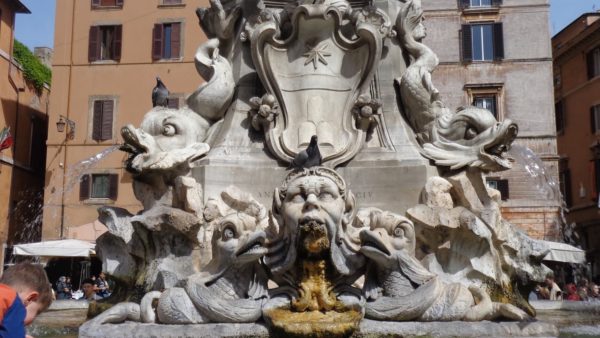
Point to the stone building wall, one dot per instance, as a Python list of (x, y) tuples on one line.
[(521, 82)]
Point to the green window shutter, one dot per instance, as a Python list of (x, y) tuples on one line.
[(84, 187)]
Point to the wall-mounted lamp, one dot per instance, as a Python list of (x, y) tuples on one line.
[(70, 124)]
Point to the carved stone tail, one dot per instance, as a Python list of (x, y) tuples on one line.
[(147, 313)]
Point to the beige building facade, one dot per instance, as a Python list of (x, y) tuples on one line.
[(576, 52), (106, 58), (23, 110), (496, 54)]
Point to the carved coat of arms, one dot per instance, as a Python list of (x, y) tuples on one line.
[(315, 73)]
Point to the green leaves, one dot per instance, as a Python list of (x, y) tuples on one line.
[(34, 71)]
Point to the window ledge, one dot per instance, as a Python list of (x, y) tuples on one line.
[(94, 201), (481, 10), (104, 62), (179, 59), (478, 62), (96, 8), (182, 5)]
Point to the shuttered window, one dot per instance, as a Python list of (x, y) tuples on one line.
[(595, 119), (482, 42), (103, 120), (593, 62), (559, 111), (99, 186), (565, 186), (106, 3), (166, 41), (500, 185), (105, 43)]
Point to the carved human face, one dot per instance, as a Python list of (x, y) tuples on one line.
[(313, 202)]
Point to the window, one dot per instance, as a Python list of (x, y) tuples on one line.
[(482, 42), (593, 62), (487, 96), (37, 148), (479, 3), (106, 3), (99, 186), (565, 186), (500, 185), (105, 43), (172, 2), (559, 111), (102, 120), (595, 119), (595, 178), (166, 41), (486, 102)]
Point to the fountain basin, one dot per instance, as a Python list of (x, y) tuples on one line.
[(367, 329)]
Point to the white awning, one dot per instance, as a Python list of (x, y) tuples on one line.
[(60, 248), (561, 252)]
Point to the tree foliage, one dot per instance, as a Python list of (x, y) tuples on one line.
[(34, 70)]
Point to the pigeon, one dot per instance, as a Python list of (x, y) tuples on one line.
[(160, 94), (310, 157)]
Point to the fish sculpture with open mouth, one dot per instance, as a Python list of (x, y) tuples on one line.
[(167, 139), (231, 289), (471, 138), (399, 288)]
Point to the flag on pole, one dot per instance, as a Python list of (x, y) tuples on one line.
[(6, 139)]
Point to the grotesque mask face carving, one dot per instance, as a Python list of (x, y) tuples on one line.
[(313, 210), (315, 204)]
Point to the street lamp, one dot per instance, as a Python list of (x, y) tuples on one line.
[(66, 122)]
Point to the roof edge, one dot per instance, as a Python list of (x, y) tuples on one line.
[(584, 15), (20, 7)]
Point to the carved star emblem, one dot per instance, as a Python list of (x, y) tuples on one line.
[(316, 54)]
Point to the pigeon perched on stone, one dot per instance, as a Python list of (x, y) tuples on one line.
[(160, 94), (310, 157)]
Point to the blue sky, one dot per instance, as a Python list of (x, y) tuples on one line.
[(37, 28)]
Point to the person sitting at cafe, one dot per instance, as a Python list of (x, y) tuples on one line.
[(89, 290)]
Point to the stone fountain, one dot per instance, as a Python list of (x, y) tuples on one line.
[(395, 225)]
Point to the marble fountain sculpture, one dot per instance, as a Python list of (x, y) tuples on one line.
[(395, 224)]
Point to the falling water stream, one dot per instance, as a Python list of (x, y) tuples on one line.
[(547, 187), (32, 207)]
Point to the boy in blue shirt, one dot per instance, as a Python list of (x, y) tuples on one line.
[(24, 293)]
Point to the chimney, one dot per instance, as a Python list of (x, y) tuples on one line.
[(44, 54)]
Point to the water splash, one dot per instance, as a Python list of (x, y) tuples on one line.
[(548, 188), (534, 166), (29, 210)]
